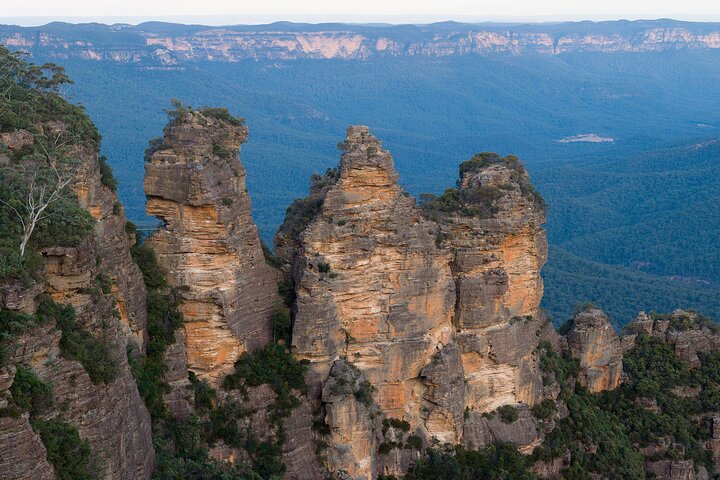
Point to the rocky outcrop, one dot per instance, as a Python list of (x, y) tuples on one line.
[(482, 430), (675, 470), (112, 250), (372, 288), (105, 287), (436, 315), (209, 244), (171, 48), (498, 247), (687, 332), (593, 341)]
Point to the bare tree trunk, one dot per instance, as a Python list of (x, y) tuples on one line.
[(39, 197)]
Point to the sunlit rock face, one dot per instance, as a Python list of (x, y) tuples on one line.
[(498, 247), (593, 341), (209, 244), (438, 315)]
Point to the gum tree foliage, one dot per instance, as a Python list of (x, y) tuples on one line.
[(37, 207)]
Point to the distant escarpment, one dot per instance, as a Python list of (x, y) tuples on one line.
[(174, 45)]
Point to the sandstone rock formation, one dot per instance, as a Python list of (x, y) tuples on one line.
[(209, 244), (687, 332), (498, 248), (593, 341), (105, 287), (434, 315)]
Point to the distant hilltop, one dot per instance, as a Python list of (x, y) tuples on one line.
[(169, 44)]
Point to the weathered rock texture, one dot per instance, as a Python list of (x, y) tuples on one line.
[(481, 431), (687, 332), (497, 257), (111, 417), (436, 317), (209, 244), (593, 341), (675, 470)]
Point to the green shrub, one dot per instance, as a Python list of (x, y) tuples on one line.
[(500, 461), (187, 438), (222, 114), (508, 413), (223, 153), (163, 319), (106, 174), (396, 423), (281, 322), (414, 442), (68, 454), (11, 412), (562, 369), (16, 268), (145, 258), (78, 344), (267, 460), (321, 427), (386, 447), (364, 393), (272, 365), (204, 393), (68, 225), (29, 392), (545, 409)]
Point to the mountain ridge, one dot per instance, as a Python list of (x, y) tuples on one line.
[(168, 43)]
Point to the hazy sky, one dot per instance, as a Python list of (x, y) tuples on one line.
[(260, 11)]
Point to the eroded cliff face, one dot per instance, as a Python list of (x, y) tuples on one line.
[(105, 287), (209, 244), (436, 316), (593, 341), (498, 247), (231, 44)]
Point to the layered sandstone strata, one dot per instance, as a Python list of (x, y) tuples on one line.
[(209, 244), (435, 309), (498, 247), (105, 287), (373, 288), (593, 341)]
